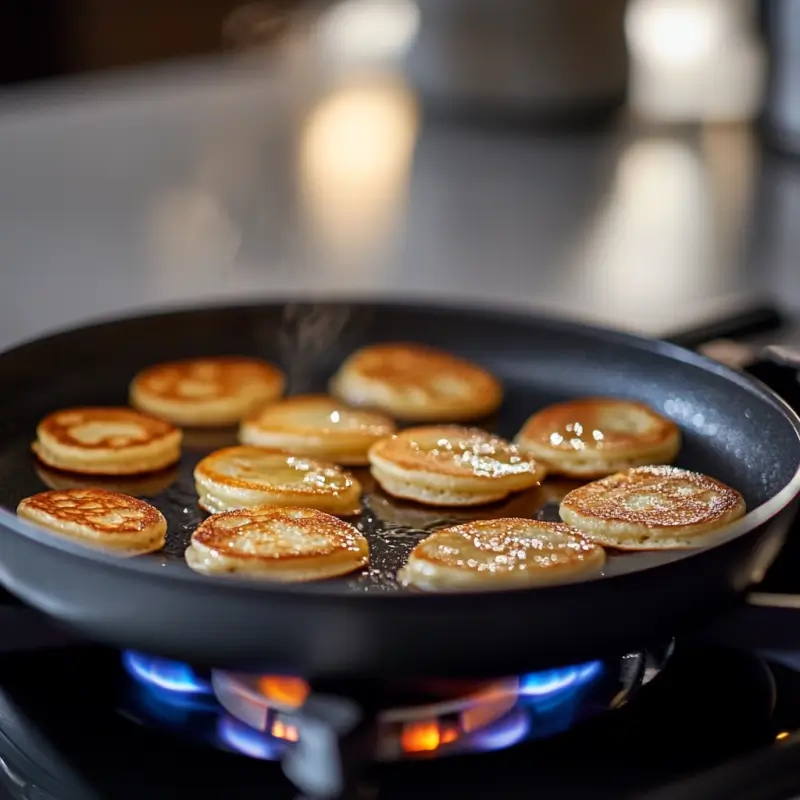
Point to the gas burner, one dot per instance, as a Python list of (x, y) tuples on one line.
[(413, 724), (259, 715)]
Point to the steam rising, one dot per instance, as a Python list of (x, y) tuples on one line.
[(308, 338)]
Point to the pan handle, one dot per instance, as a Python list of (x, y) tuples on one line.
[(782, 355), (768, 623)]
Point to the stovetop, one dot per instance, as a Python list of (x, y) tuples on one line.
[(703, 723), (65, 733)]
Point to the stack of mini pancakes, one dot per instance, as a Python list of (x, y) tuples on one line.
[(276, 498)]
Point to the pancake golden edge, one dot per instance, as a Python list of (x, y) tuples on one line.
[(206, 392), (501, 553), (106, 440), (652, 508), (594, 437), (449, 465), (110, 521), (247, 477), (282, 544), (317, 426), (416, 383)]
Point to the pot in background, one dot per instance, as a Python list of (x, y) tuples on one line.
[(541, 59)]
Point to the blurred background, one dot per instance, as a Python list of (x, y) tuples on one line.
[(630, 162)]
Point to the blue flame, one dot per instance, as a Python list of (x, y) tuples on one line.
[(174, 709), (171, 676), (560, 681), (246, 740), (515, 727)]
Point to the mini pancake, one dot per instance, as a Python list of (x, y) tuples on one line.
[(501, 554), (417, 383), (451, 466), (650, 508), (595, 437), (106, 441), (246, 477), (206, 391), (316, 426), (110, 521), (277, 544)]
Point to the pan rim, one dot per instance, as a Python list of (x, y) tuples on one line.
[(509, 314)]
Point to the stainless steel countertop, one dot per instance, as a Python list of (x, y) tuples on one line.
[(227, 180)]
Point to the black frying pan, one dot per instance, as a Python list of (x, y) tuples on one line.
[(366, 625)]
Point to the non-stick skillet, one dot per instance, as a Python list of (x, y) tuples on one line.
[(367, 625)]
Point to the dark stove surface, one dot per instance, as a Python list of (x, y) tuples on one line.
[(62, 736)]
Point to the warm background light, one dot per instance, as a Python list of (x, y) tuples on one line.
[(694, 60), (354, 159), (675, 32), (368, 29)]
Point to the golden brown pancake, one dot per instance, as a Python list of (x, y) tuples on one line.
[(246, 477), (318, 426), (451, 466), (594, 437), (417, 383), (650, 508), (501, 554), (277, 543), (103, 440), (202, 392), (111, 521), (135, 485)]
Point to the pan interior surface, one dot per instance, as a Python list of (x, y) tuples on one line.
[(732, 429)]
